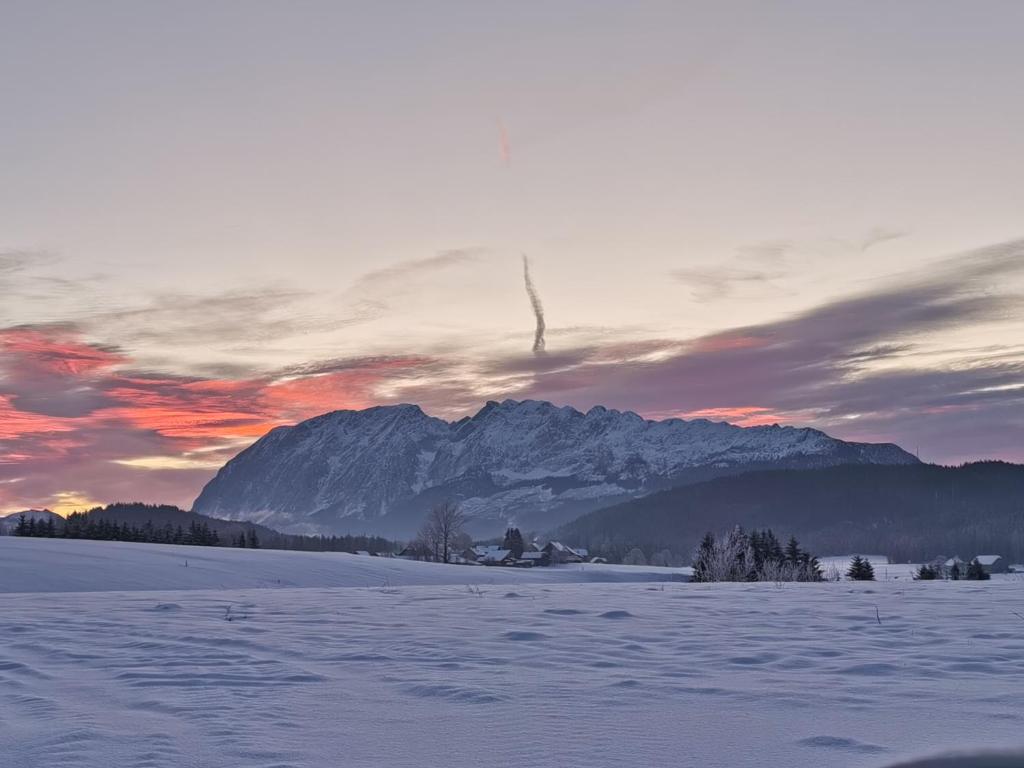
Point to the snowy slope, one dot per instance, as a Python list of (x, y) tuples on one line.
[(529, 462), (546, 674), (75, 565)]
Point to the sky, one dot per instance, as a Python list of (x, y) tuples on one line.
[(220, 217)]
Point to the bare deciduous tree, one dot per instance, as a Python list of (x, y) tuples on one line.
[(441, 529)]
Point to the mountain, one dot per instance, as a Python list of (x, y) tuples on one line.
[(8, 522), (911, 512), (379, 470)]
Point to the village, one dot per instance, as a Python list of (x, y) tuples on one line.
[(519, 555)]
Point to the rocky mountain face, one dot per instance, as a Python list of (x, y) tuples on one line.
[(529, 463)]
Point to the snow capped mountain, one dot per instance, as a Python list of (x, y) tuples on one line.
[(529, 462)]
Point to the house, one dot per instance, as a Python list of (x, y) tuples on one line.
[(532, 558), (498, 557), (559, 553), (482, 550), (409, 553), (993, 563)]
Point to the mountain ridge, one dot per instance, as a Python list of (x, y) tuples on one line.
[(528, 462)]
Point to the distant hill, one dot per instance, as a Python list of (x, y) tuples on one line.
[(159, 516), (909, 512), (530, 463)]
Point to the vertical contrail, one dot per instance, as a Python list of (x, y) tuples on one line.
[(538, 308)]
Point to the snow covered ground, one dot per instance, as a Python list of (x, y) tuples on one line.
[(67, 565), (418, 669)]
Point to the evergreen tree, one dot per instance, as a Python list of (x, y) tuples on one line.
[(793, 552), (21, 529), (702, 561), (926, 573), (254, 543), (513, 541), (869, 571), (860, 569), (976, 571), (954, 572), (773, 548)]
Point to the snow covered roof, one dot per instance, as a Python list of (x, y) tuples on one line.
[(532, 555), (988, 559), (560, 547), (496, 555)]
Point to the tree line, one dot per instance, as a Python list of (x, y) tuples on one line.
[(80, 525), (164, 525), (911, 512), (754, 556)]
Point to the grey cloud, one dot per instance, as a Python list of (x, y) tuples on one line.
[(402, 271), (718, 282), (815, 361), (767, 252), (878, 236)]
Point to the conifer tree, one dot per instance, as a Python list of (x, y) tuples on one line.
[(925, 573), (976, 571), (860, 569), (702, 560)]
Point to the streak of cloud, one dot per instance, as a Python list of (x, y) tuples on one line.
[(880, 235), (718, 282), (538, 308)]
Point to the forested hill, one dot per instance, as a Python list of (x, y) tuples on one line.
[(166, 524), (909, 512)]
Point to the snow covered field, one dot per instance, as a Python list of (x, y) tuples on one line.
[(409, 668), (67, 565)]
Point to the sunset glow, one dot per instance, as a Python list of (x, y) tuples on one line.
[(755, 223)]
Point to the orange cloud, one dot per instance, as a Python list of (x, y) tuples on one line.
[(58, 351), (15, 423), (744, 416), (71, 415)]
